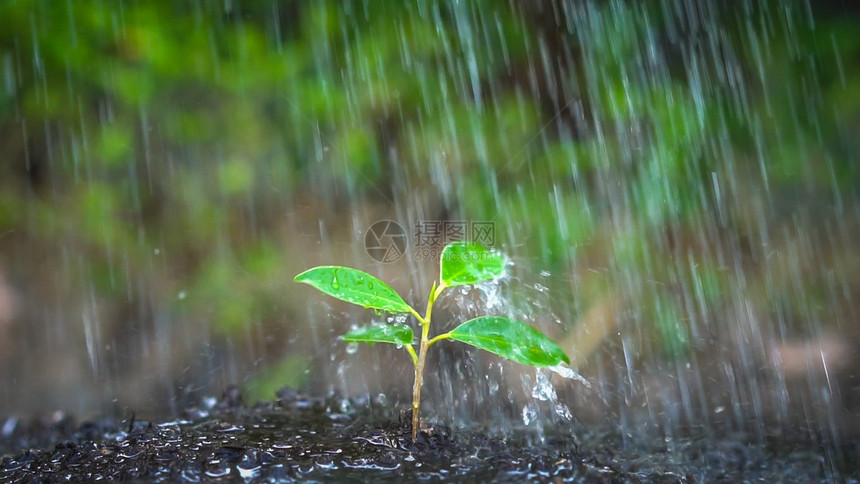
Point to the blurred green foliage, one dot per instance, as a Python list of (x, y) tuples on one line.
[(168, 138)]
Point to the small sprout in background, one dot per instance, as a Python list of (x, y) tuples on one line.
[(461, 264)]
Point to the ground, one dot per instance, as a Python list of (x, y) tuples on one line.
[(298, 437)]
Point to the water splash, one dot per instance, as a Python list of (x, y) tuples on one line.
[(529, 413), (543, 389), (567, 372)]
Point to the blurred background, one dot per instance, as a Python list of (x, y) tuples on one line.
[(676, 184)]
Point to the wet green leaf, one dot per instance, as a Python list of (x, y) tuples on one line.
[(399, 334), (510, 339), (354, 286), (467, 263)]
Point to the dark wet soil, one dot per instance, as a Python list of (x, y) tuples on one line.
[(332, 440)]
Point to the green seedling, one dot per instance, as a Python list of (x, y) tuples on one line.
[(461, 264)]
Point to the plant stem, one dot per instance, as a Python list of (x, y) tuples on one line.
[(421, 320), (414, 356), (422, 358), (438, 338), (419, 375)]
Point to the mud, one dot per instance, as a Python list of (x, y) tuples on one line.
[(302, 438)]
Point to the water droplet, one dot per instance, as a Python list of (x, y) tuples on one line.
[(218, 469), (569, 373), (351, 348), (529, 414), (562, 411), (181, 295), (9, 426), (543, 389)]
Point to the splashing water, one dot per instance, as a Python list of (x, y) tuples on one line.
[(529, 414), (543, 389), (569, 373)]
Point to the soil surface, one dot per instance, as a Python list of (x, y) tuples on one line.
[(301, 438)]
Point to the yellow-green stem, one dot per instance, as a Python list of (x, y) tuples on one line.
[(422, 358), (419, 374), (438, 338), (418, 316), (414, 356)]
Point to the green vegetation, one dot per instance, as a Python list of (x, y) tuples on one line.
[(460, 264)]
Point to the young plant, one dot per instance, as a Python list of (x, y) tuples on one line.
[(461, 264)]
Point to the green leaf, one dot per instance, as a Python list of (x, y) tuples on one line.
[(354, 286), (399, 334), (466, 263), (510, 339)]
